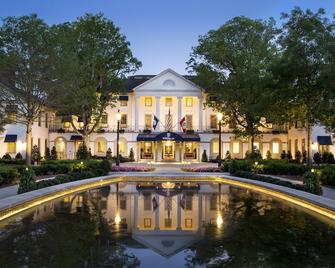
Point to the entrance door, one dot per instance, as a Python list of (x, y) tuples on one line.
[(168, 150)]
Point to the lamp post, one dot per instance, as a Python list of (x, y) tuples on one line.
[(118, 118), (219, 116)]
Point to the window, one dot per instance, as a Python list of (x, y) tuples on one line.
[(100, 147), (123, 121), (45, 144), (168, 223), (215, 147), (147, 121), (189, 121), (168, 102), (289, 145), (147, 202), (189, 147), (214, 122), (189, 102), (39, 144), (11, 147), (147, 223), (148, 101), (39, 119), (256, 145), (188, 202), (236, 147), (46, 120), (188, 223), (213, 202), (123, 103), (11, 117), (104, 120), (147, 147), (303, 145), (122, 147), (123, 202), (296, 145), (275, 147)]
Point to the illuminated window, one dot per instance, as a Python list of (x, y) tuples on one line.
[(122, 147), (123, 103), (147, 147), (236, 147), (11, 147), (39, 119), (189, 102), (275, 147), (46, 120), (147, 202), (215, 147), (168, 223), (213, 202), (168, 102), (147, 223), (100, 147), (256, 145), (189, 147), (148, 121), (189, 124), (148, 101), (214, 121), (123, 121), (188, 223), (188, 203), (123, 202), (104, 119)]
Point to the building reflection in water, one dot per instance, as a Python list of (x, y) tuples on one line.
[(165, 217)]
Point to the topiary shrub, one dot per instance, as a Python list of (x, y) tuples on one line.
[(105, 165), (298, 156), (131, 155), (109, 153), (283, 155), (317, 158), (204, 157), (47, 155), (82, 152), (255, 155), (233, 167), (53, 155), (268, 155), (227, 156), (9, 175), (35, 154), (27, 181), (327, 175), (312, 183), (304, 156), (18, 156), (289, 155), (6, 157), (328, 157)]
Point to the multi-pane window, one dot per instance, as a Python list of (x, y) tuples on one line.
[(39, 119), (46, 120), (104, 120), (45, 144), (168, 222), (123, 103), (213, 202), (188, 223), (189, 102), (123, 121), (236, 147), (168, 102), (148, 101), (275, 147), (214, 121), (188, 202), (189, 124), (147, 202), (303, 145), (123, 202), (256, 145), (215, 147), (296, 145), (39, 144), (147, 223), (147, 121), (11, 147), (100, 147)]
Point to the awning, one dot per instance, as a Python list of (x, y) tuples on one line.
[(10, 138), (123, 98), (324, 140), (76, 138), (172, 136)]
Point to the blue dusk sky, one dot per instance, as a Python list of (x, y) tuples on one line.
[(161, 33)]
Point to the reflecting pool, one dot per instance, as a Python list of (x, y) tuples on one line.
[(167, 225)]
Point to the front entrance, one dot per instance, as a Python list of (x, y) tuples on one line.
[(168, 150)]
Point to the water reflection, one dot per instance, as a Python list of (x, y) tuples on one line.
[(146, 224)]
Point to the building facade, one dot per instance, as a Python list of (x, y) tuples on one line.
[(167, 98)]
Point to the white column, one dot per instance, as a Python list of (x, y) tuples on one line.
[(200, 113), (199, 210), (136, 211), (137, 99), (179, 111), (178, 213), (157, 213), (158, 113)]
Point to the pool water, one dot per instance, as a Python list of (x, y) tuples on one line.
[(167, 225)]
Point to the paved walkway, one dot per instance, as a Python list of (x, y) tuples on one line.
[(173, 169)]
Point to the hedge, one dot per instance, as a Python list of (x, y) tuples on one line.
[(8, 175)]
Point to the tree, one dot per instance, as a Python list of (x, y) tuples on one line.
[(53, 155), (94, 57), (27, 75), (35, 154), (307, 56), (204, 157), (47, 155), (234, 63), (82, 152), (131, 155)]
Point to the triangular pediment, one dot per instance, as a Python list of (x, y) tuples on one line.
[(168, 82)]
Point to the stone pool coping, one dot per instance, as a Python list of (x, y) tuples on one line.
[(15, 204)]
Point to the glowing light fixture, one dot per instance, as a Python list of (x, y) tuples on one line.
[(219, 116), (219, 221), (118, 116), (117, 219), (168, 185)]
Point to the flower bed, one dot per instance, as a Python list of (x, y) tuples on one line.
[(202, 169), (131, 169)]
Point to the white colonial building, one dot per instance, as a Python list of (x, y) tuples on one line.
[(170, 97)]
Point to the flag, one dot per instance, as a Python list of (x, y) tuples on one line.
[(154, 204), (155, 123), (182, 124), (169, 121), (182, 202)]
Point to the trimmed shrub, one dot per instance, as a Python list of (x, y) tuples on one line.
[(6, 157), (312, 183), (304, 156), (204, 157), (82, 152), (289, 155), (131, 155), (109, 153), (105, 165), (234, 167), (27, 181), (47, 155), (9, 175), (282, 167), (283, 155), (328, 157), (317, 158), (53, 155), (327, 175), (298, 156), (268, 155), (227, 156), (255, 155), (18, 156)]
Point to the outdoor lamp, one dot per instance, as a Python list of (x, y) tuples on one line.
[(118, 115), (117, 219), (219, 221), (219, 116)]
